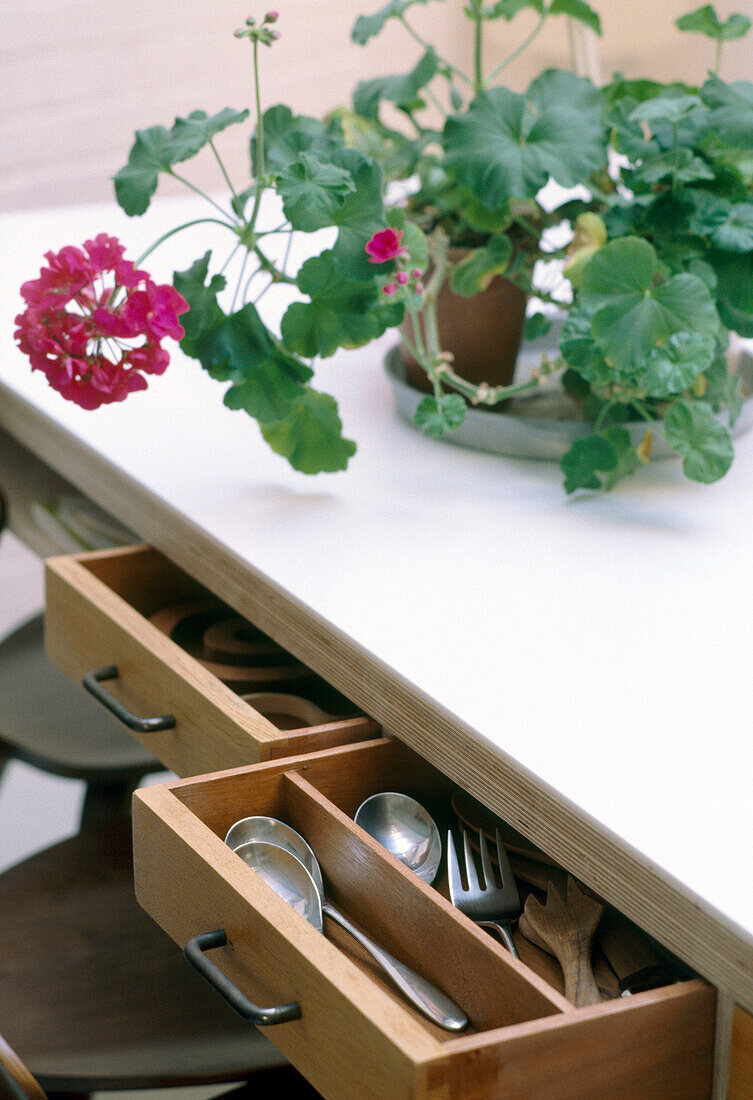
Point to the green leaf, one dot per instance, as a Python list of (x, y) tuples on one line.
[(633, 311), (693, 432), (403, 91), (342, 313), (678, 164), (476, 271), (508, 9), (537, 325), (270, 386), (313, 192), (585, 460), (508, 145), (734, 272), (204, 313), (286, 136), (310, 436), (577, 9), (674, 366), (367, 26), (360, 215), (705, 21), (157, 149), (670, 106), (579, 349), (728, 132), (627, 456), (736, 233), (435, 416)]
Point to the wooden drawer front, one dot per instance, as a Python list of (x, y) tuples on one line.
[(741, 1057), (98, 608), (356, 1037)]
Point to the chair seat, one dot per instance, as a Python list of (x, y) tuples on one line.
[(81, 740), (140, 1016)]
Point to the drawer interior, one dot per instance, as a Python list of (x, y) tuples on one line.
[(183, 610), (526, 1039), (177, 649), (319, 797)]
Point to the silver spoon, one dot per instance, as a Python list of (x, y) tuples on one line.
[(432, 1002), (282, 870), (404, 828)]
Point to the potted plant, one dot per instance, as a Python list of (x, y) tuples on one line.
[(655, 246)]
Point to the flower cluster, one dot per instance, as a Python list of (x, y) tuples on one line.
[(93, 323), (388, 245)]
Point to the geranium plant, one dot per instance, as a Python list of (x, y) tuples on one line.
[(436, 175)]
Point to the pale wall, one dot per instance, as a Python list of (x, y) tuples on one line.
[(79, 76)]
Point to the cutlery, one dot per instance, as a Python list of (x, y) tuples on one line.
[(404, 828), (484, 902), (432, 1002), (565, 926)]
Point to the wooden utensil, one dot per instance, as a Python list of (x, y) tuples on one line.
[(565, 926)]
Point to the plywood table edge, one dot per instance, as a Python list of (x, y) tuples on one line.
[(710, 943)]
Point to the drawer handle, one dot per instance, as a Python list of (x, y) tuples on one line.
[(194, 953), (92, 681)]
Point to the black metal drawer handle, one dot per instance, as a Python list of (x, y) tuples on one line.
[(92, 681), (194, 953)]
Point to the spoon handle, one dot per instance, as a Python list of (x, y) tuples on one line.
[(429, 1000)]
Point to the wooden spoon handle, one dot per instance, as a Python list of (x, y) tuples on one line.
[(580, 985)]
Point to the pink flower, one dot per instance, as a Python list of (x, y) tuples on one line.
[(402, 277), (385, 245), (93, 323), (416, 272)]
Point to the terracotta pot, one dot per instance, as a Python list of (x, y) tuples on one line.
[(483, 333)]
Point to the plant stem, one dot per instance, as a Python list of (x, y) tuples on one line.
[(259, 142), (193, 187), (177, 229), (222, 167), (515, 53), (478, 47), (444, 63), (277, 275), (718, 57)]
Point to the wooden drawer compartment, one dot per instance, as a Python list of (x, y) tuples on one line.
[(98, 614), (356, 1037)]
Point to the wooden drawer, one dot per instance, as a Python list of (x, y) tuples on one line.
[(355, 1037), (741, 1056), (98, 614)]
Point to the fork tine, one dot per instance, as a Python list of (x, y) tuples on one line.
[(470, 863), (508, 879), (453, 869), (486, 862)]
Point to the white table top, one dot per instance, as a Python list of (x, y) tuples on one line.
[(600, 645)]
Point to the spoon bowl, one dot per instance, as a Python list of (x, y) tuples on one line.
[(404, 828), (271, 831), (284, 872)]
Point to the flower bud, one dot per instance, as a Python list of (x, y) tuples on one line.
[(419, 288), (402, 277), (390, 289), (271, 17), (416, 273)]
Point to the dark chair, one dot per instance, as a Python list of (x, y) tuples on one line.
[(50, 723), (95, 997)]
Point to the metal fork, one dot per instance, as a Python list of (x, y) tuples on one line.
[(486, 903)]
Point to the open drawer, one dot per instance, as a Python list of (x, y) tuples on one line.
[(355, 1037), (132, 623)]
